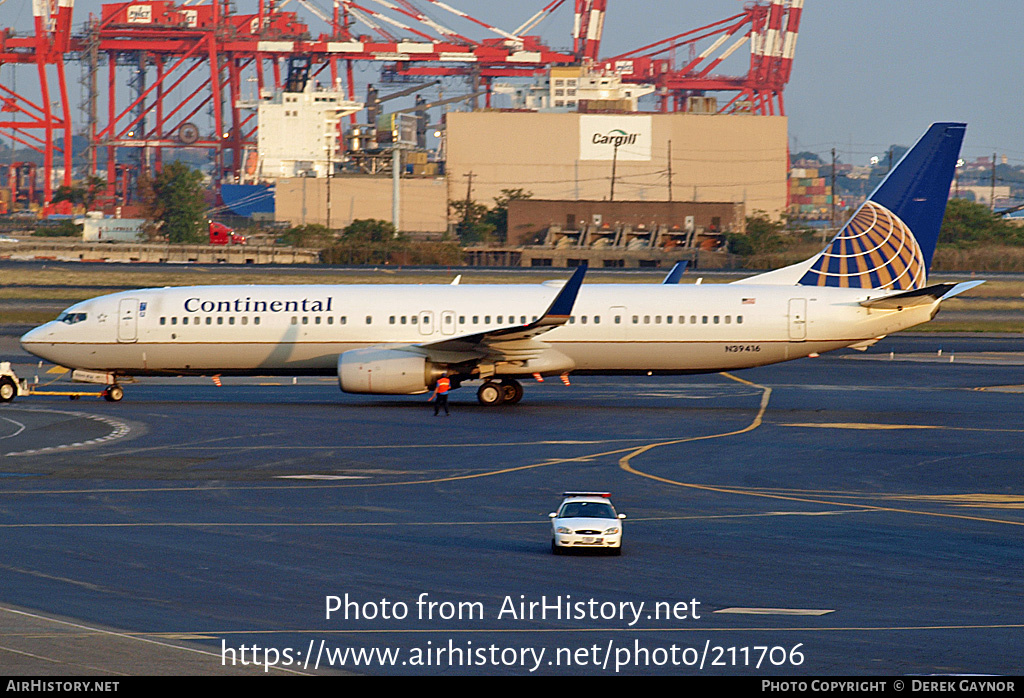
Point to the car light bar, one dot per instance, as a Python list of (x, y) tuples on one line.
[(606, 495)]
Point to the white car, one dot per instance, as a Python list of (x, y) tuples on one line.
[(7, 238), (586, 520)]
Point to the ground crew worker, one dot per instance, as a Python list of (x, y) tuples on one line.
[(440, 395)]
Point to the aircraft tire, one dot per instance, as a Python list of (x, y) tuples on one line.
[(513, 390), (490, 393), (8, 389), (113, 393)]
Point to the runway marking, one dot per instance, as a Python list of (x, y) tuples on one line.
[(206, 446), (962, 499), (61, 662), (549, 631), (52, 577), (383, 524), (57, 661), (120, 430), (140, 637), (765, 397), (624, 463), (977, 499), (764, 514), (404, 483), (855, 425), (17, 424), (321, 477), (777, 611), (824, 425), (366, 447)]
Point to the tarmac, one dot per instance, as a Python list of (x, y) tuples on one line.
[(855, 514)]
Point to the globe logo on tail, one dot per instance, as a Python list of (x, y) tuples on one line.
[(875, 249)]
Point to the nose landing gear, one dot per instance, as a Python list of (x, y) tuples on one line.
[(113, 393), (8, 389)]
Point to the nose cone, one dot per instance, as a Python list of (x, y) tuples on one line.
[(34, 340)]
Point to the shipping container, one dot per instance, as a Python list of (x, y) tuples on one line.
[(112, 229)]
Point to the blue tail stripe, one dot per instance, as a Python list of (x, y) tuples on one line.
[(898, 226), (917, 188)]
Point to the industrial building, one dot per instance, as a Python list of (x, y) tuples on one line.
[(272, 103), (733, 158), (338, 201)]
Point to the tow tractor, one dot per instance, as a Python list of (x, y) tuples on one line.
[(11, 387)]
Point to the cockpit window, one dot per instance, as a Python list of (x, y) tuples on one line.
[(71, 318)]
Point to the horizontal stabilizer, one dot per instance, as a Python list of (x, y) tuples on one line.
[(920, 296)]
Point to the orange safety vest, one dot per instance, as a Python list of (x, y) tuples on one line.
[(443, 386)]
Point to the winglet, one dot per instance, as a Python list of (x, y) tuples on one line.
[(561, 308), (555, 316), (677, 272)]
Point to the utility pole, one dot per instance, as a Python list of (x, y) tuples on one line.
[(615, 158), (396, 189), (670, 171), (469, 201), (330, 174), (992, 195), (833, 189)]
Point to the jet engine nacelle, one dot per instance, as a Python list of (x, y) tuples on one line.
[(386, 372)]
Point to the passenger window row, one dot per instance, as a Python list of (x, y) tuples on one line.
[(498, 320), (317, 320), (694, 319), (475, 319), (209, 320), (244, 320)]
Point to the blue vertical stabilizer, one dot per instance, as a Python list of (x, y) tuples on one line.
[(890, 241)]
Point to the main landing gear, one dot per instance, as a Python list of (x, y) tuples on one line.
[(508, 391)]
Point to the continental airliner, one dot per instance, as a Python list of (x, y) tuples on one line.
[(869, 281)]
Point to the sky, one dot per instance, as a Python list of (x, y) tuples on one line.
[(867, 73)]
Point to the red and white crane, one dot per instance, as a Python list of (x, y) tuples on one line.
[(186, 60), (37, 123)]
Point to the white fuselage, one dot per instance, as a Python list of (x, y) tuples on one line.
[(302, 329)]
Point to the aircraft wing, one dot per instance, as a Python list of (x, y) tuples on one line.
[(921, 296), (515, 341)]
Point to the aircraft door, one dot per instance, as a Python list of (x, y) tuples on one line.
[(426, 322), (128, 320), (798, 319), (448, 322)]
